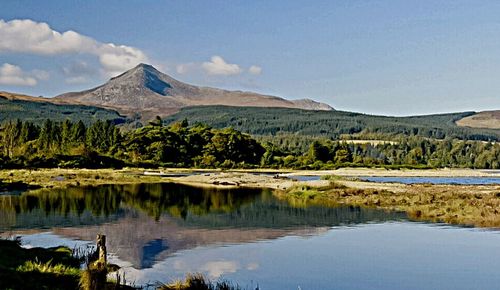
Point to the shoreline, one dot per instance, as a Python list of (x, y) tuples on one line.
[(260, 178), (469, 205)]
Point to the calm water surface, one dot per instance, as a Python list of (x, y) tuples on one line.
[(436, 180), (159, 232)]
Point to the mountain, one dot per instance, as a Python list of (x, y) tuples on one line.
[(150, 92), (37, 109), (486, 119), (267, 121)]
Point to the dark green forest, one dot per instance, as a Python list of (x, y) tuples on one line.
[(405, 152), (103, 144), (37, 112), (332, 124)]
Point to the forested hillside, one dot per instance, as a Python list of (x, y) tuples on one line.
[(37, 112), (331, 124), (102, 144)]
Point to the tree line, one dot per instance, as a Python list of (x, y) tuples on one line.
[(103, 144), (409, 152)]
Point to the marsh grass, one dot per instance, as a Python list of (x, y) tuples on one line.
[(37, 268), (199, 282), (48, 267), (462, 205)]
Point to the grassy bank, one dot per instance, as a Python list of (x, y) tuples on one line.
[(59, 268), (60, 178), (469, 205), (37, 268)]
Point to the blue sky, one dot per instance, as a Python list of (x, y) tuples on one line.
[(379, 57)]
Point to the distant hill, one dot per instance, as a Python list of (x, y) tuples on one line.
[(36, 109), (486, 119), (276, 121), (147, 91)]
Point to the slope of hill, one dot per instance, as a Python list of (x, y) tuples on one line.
[(486, 119), (145, 90), (274, 121), (35, 109)]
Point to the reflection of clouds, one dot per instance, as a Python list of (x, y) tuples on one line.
[(216, 268), (252, 266)]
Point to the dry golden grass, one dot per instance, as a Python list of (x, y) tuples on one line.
[(486, 119), (59, 178), (455, 204)]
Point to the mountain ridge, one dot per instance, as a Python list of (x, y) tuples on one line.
[(146, 90)]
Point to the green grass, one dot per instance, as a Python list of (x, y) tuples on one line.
[(198, 282), (48, 267), (37, 268)]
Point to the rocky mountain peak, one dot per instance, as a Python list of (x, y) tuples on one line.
[(145, 90)]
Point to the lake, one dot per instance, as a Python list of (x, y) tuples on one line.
[(160, 232), (485, 180), (434, 180)]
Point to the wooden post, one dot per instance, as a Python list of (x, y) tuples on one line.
[(101, 248)]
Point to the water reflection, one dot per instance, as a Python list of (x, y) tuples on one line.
[(435, 180), (146, 223)]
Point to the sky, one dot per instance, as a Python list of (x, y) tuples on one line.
[(377, 57)]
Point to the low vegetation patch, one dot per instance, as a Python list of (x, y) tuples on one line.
[(37, 268), (455, 204), (198, 282)]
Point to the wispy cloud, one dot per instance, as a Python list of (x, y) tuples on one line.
[(255, 70), (78, 72), (13, 75), (28, 36), (217, 268), (185, 68)]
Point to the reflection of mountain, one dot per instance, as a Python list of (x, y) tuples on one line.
[(137, 240), (147, 222)]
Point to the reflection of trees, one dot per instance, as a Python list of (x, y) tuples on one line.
[(89, 205), (276, 214), (71, 206), (203, 207), (181, 200)]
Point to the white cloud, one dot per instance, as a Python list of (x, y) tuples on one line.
[(218, 66), (28, 36), (13, 75), (255, 70)]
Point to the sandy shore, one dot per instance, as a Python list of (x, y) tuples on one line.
[(245, 179), (254, 178), (275, 179)]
